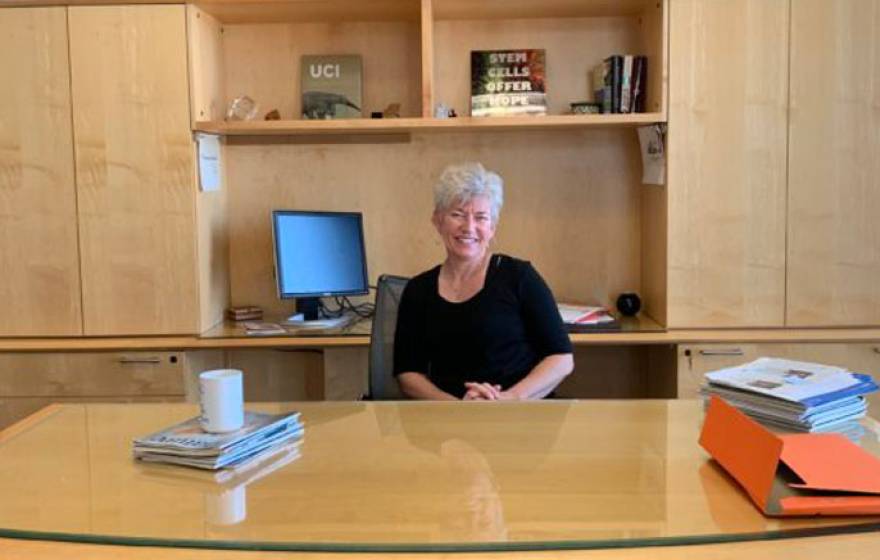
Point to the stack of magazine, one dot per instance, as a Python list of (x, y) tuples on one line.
[(187, 444), (792, 395)]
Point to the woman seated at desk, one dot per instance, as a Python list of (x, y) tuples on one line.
[(480, 325)]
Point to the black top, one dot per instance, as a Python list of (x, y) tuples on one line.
[(497, 336)]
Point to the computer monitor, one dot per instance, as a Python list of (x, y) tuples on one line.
[(318, 254)]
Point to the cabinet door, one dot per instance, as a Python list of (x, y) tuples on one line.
[(834, 164), (134, 169), (694, 360), (40, 290), (728, 84)]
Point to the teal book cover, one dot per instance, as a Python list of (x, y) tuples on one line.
[(331, 86)]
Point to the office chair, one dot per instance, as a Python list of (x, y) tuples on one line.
[(383, 386)]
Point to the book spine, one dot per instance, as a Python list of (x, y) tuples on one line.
[(640, 71), (626, 83)]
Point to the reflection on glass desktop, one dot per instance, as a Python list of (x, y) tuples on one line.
[(318, 254)]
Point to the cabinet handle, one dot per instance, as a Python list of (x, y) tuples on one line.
[(722, 352), (877, 349), (130, 361)]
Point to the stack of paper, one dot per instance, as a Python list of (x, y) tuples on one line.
[(584, 316), (798, 396), (186, 443)]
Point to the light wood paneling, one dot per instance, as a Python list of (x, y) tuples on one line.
[(206, 68), (727, 163), (278, 375), (263, 62), (39, 254), (834, 164), (273, 11), (95, 374), (571, 205), (134, 169), (619, 372), (427, 58)]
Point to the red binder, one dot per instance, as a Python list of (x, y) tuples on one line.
[(797, 474)]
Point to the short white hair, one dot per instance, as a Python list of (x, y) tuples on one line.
[(461, 183)]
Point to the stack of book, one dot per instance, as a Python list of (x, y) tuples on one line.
[(187, 444), (795, 396), (581, 318), (620, 83)]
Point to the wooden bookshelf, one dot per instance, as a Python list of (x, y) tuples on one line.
[(391, 126)]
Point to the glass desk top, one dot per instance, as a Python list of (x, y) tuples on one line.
[(394, 476)]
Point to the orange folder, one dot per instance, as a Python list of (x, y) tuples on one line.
[(797, 474)]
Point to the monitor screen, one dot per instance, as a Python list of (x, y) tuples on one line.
[(319, 253)]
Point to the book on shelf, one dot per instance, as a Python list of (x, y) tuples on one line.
[(619, 83), (187, 444), (793, 395), (331, 86), (508, 82)]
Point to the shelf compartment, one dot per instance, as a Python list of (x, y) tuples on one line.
[(309, 11)]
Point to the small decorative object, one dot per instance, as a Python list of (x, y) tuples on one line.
[(585, 108), (242, 109), (272, 115), (244, 313), (629, 304), (392, 111), (331, 86), (452, 113), (508, 82), (441, 111), (376, 115)]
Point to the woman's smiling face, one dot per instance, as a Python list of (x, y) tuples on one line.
[(466, 228)]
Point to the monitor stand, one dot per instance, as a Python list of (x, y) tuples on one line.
[(306, 316)]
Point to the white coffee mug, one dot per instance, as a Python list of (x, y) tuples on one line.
[(221, 397)]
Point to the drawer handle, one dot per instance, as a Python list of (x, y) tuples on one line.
[(722, 352), (877, 349), (130, 361)]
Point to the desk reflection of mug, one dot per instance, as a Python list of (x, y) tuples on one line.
[(227, 507)]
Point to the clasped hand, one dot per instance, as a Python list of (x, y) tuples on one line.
[(486, 392)]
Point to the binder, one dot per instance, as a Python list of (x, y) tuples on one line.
[(793, 474)]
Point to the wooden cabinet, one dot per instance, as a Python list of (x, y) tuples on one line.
[(39, 254), (30, 381), (102, 231), (727, 163), (134, 169), (834, 164), (694, 360), (773, 171)]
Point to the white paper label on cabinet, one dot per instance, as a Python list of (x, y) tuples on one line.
[(209, 162)]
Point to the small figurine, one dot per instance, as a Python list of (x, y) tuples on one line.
[(452, 113), (272, 115), (392, 111)]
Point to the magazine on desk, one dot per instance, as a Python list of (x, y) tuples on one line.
[(805, 383), (187, 444)]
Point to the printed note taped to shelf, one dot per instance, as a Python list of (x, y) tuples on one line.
[(209, 162)]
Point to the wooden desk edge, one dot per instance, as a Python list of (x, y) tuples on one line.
[(192, 342)]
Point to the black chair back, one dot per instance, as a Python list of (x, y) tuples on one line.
[(383, 385)]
